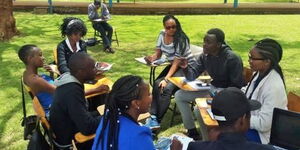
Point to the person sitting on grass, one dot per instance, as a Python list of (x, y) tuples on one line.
[(73, 29), (118, 128), (41, 86), (231, 109)]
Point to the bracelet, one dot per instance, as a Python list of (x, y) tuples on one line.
[(166, 80)]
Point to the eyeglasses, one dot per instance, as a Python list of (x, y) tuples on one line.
[(169, 27)]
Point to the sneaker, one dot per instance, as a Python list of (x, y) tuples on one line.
[(152, 123), (111, 50), (193, 133)]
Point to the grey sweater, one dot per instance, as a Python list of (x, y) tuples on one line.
[(93, 14)]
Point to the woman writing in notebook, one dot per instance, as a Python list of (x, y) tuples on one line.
[(172, 42)]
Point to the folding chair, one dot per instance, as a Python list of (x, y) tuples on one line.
[(79, 137), (97, 34)]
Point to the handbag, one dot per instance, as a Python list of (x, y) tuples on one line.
[(37, 140), (29, 124), (91, 42)]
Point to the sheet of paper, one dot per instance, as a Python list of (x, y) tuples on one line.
[(210, 113), (197, 84), (106, 67), (141, 59), (99, 20), (183, 139)]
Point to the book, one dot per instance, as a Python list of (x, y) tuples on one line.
[(103, 66), (161, 61)]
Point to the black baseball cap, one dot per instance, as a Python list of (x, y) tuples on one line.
[(231, 103)]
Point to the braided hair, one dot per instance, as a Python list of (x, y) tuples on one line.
[(124, 90), (72, 25), (180, 37), (272, 50)]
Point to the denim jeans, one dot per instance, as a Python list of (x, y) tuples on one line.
[(106, 32)]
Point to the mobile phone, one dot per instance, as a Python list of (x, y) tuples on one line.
[(209, 101), (91, 81)]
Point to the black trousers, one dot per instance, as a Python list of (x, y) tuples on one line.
[(106, 32), (161, 99)]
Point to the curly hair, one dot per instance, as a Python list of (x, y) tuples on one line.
[(72, 25)]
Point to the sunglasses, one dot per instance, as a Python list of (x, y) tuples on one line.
[(169, 27)]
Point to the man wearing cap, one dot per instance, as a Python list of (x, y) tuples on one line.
[(100, 23), (231, 109)]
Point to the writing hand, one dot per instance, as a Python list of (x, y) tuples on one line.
[(176, 144)]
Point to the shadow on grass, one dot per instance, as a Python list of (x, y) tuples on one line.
[(3, 124)]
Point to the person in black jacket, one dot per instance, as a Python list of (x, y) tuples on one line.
[(73, 29), (231, 109), (69, 113), (221, 63)]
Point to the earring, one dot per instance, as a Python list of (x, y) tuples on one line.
[(138, 107)]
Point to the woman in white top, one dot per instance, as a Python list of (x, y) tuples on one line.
[(267, 86), (172, 42)]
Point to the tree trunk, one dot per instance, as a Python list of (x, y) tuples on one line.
[(7, 21)]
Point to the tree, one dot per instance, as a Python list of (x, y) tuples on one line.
[(7, 21)]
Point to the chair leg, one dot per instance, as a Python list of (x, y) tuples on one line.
[(173, 115), (116, 37)]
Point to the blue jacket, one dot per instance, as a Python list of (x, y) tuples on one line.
[(132, 136)]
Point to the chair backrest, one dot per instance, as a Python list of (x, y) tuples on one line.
[(247, 74), (40, 113), (55, 55), (293, 102), (27, 88), (285, 130)]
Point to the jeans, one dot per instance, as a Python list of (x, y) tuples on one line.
[(162, 97), (106, 32)]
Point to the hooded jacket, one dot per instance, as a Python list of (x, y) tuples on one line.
[(69, 113)]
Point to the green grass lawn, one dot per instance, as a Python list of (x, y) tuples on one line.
[(137, 35), (174, 1)]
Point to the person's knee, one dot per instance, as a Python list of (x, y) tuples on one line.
[(179, 96)]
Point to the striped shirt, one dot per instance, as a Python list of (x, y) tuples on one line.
[(169, 51)]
